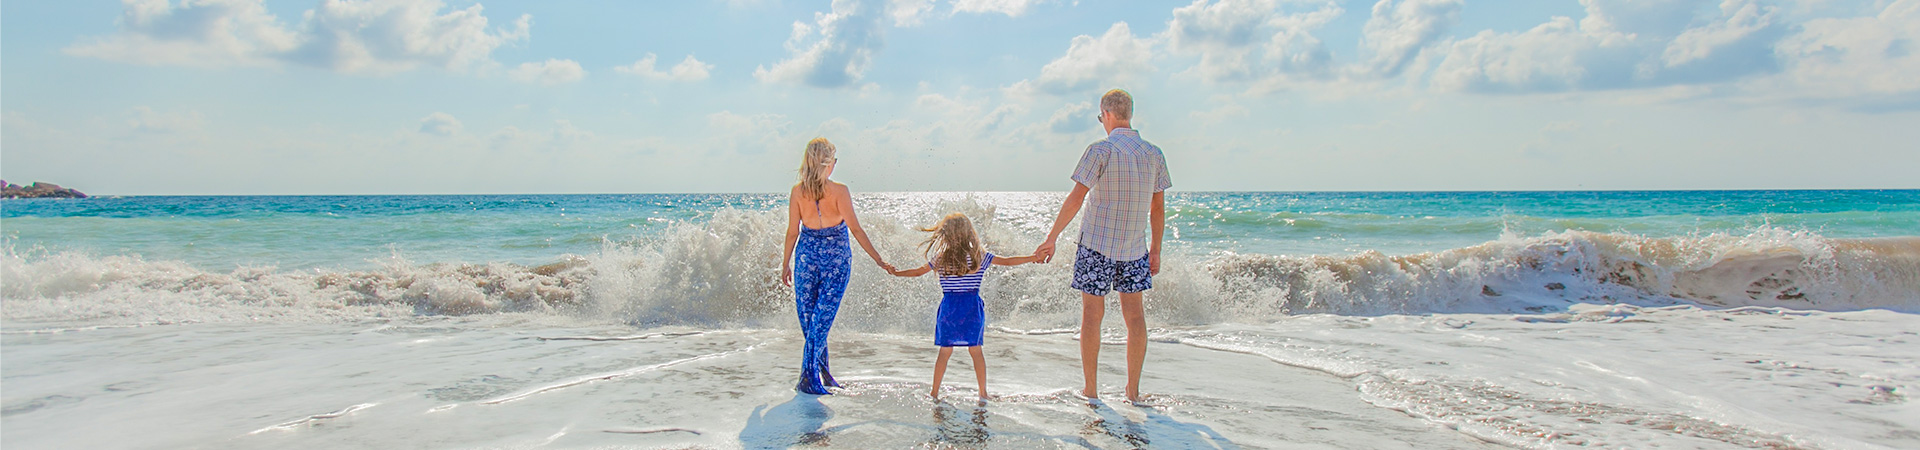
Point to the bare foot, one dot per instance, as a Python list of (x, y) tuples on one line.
[(935, 394), (1089, 393)]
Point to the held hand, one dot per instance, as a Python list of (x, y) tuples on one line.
[(888, 267), (1045, 251), (786, 275), (1153, 263)]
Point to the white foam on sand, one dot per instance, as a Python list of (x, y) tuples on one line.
[(1620, 375), (1600, 377), (436, 384)]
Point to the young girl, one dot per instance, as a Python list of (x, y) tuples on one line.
[(957, 255)]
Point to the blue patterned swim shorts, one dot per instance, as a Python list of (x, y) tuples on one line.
[(1096, 274)]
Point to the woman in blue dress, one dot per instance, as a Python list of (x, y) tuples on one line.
[(819, 219)]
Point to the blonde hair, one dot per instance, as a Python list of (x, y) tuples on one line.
[(813, 167), (957, 245), (1118, 103)]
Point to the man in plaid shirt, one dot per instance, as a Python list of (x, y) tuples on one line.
[(1121, 180)]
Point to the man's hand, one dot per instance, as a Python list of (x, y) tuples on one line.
[(1153, 263), (1044, 251)]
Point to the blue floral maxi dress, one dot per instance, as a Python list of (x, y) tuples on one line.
[(823, 259)]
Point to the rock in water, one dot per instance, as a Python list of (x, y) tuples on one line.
[(38, 190)]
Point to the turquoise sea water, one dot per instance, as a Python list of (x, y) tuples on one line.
[(346, 232)]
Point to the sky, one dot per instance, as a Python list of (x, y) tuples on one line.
[(190, 97)]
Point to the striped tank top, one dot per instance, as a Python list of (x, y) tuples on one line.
[(964, 283)]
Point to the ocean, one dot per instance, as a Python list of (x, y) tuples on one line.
[(1708, 319)]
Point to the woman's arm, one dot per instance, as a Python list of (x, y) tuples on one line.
[(853, 226), (793, 234)]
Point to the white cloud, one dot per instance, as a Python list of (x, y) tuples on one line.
[(1073, 118), (1652, 19), (1551, 56), (689, 69), (1012, 8), (907, 13), (961, 120), (440, 124), (145, 120), (1620, 44), (834, 51), (836, 48), (1855, 57), (1115, 58), (345, 36), (549, 72), (1244, 40), (1399, 31), (1744, 18), (210, 33)]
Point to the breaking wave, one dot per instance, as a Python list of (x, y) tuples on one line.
[(725, 272)]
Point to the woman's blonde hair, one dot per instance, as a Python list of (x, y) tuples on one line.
[(813, 167), (957, 245)]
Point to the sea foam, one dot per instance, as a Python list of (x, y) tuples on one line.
[(725, 272)]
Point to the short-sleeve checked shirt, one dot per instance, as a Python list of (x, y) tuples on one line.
[(1123, 172)]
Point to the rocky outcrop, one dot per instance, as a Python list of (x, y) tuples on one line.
[(38, 190)]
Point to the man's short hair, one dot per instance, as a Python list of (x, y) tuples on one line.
[(1118, 103)]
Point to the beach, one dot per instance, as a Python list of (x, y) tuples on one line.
[(1740, 319)]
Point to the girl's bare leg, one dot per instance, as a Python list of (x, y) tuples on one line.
[(940, 370), (979, 369)]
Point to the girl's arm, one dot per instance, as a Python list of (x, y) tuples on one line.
[(1016, 260), (914, 272), (859, 233), (793, 234)]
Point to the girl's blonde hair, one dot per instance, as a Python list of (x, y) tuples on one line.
[(957, 245), (813, 167)]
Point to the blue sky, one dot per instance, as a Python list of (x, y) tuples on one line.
[(432, 97)]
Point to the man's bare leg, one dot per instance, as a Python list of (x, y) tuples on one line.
[(1092, 310), (1135, 313)]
